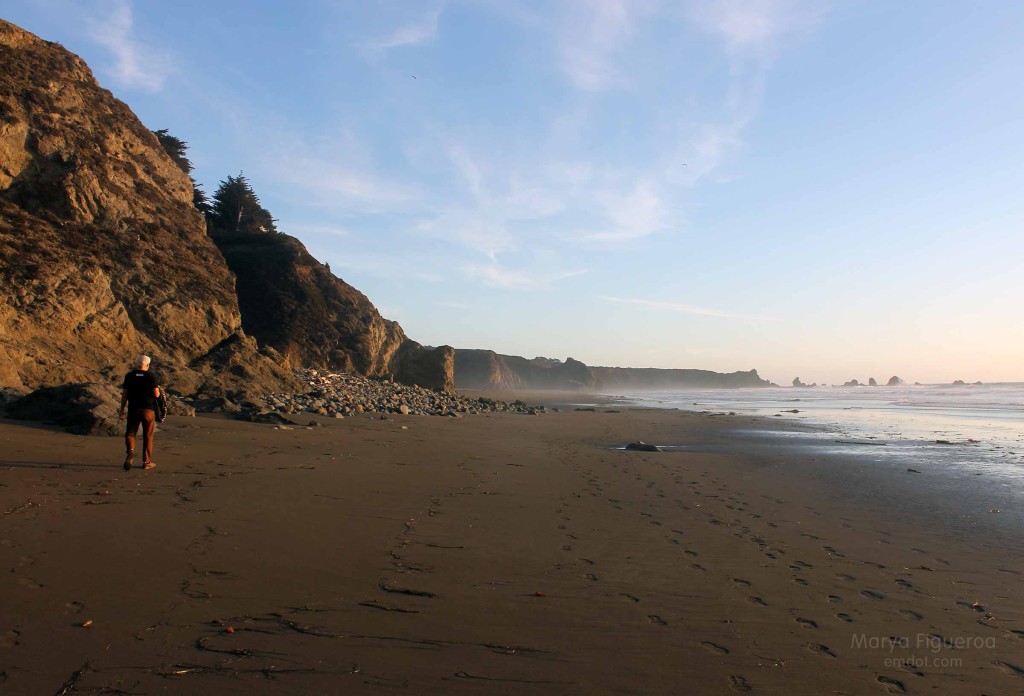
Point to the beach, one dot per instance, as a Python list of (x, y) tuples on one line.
[(494, 554)]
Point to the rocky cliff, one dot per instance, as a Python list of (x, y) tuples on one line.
[(103, 253), (487, 370), (104, 256), (655, 379), (294, 304)]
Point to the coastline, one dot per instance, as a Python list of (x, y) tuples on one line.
[(500, 553)]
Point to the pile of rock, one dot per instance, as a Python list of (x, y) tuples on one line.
[(342, 394)]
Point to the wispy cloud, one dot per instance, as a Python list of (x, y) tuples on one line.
[(594, 34), (474, 229), (633, 214), (423, 31), (745, 25), (679, 308), (322, 181), (521, 279), (136, 65)]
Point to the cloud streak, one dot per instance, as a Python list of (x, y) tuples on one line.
[(594, 34), (135, 65), (522, 279), (418, 33)]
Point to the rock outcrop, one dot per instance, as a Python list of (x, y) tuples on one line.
[(82, 409), (104, 254), (894, 381), (292, 303)]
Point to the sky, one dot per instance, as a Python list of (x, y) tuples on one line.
[(823, 190)]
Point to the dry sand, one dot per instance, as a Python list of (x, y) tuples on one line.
[(493, 554)]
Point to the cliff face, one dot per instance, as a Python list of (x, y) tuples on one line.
[(103, 253), (490, 371), (487, 370), (294, 304), (650, 378)]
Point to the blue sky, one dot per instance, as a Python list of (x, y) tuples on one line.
[(830, 190)]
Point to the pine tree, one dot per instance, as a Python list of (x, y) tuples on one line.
[(236, 208), (200, 200), (175, 149)]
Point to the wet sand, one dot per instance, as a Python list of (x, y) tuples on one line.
[(493, 554)]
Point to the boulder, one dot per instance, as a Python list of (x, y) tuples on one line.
[(798, 383), (872, 382), (87, 408), (894, 381)]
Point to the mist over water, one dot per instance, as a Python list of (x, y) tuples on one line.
[(958, 430)]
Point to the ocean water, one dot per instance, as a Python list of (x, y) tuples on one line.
[(962, 431)]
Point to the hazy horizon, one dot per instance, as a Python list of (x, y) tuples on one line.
[(823, 190)]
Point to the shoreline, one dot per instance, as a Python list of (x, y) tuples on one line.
[(498, 552)]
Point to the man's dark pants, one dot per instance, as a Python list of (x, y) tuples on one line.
[(146, 417)]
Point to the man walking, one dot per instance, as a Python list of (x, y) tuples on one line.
[(139, 391)]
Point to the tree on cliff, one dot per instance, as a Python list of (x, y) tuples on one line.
[(176, 148), (236, 208)]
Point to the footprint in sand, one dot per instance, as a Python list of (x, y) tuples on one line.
[(834, 552), (844, 576), (9, 639), (632, 598), (698, 566), (873, 564), (904, 584), (1012, 670), (845, 618), (871, 594), (738, 683), (832, 598), (758, 601), (591, 577), (807, 623), (892, 685), (655, 619), (911, 614), (819, 649), (74, 608), (801, 581), (30, 583), (714, 648), (741, 581)]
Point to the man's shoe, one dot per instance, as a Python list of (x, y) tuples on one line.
[(149, 465), (128, 460)]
